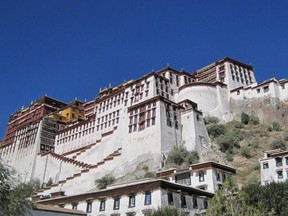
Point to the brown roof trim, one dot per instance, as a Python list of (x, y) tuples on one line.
[(41, 207), (206, 165), (175, 71), (278, 154), (128, 189)]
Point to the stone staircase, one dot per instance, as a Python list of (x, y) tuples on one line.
[(56, 188)]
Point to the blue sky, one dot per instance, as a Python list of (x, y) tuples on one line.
[(69, 48)]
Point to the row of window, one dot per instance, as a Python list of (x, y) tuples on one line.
[(75, 136), (184, 202), (75, 130), (278, 162), (142, 117), (116, 202), (171, 116)]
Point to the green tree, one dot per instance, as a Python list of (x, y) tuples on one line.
[(192, 158), (180, 155), (103, 182), (244, 118), (253, 120), (270, 198), (228, 201), (216, 130), (177, 155), (14, 194)]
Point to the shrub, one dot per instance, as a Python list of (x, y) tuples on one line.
[(211, 120), (244, 118), (278, 144), (49, 183), (216, 130), (255, 166), (285, 137), (276, 126), (149, 175), (234, 124), (255, 144), (229, 156), (253, 120), (230, 140), (105, 181), (245, 152), (177, 155), (192, 158)]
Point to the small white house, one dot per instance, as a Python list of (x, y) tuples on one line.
[(274, 166), (208, 176)]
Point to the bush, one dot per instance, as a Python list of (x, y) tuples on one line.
[(180, 155), (255, 144), (192, 158), (245, 152), (244, 118), (211, 120), (229, 156), (177, 155), (230, 140), (255, 166), (278, 144), (253, 120), (49, 183), (105, 181), (276, 126), (285, 137), (149, 175), (216, 130)]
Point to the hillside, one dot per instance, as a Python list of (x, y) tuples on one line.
[(252, 140)]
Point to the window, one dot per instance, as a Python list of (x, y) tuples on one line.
[(278, 162), (224, 177), (89, 207), (265, 165), (279, 174), (147, 198), (205, 204), (258, 90), (170, 198), (184, 178), (131, 201), (74, 206), (286, 160), (218, 176), (195, 203), (266, 89), (183, 201), (102, 205), (201, 176), (116, 203)]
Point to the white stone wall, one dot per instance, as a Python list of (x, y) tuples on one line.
[(194, 133), (23, 159), (211, 100)]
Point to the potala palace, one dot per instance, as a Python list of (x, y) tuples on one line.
[(125, 128)]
